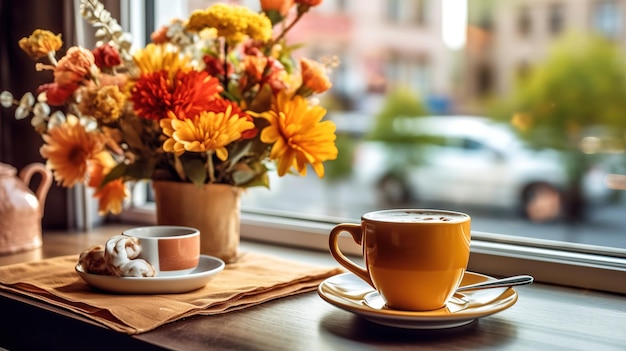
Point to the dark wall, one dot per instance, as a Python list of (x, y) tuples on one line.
[(19, 143)]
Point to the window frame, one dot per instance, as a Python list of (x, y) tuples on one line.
[(563, 263), (607, 23), (556, 18)]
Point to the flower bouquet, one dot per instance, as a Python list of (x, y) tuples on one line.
[(216, 98)]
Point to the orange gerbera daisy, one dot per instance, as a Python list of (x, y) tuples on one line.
[(67, 149), (298, 134), (189, 93)]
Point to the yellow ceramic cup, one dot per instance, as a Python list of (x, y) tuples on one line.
[(415, 258)]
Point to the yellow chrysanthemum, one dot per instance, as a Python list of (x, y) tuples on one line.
[(207, 132), (298, 134), (41, 43), (156, 58), (68, 148), (234, 23)]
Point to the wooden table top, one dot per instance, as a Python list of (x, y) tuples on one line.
[(545, 317)]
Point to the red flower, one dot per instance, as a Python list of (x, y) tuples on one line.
[(57, 94), (188, 94), (215, 66), (106, 56)]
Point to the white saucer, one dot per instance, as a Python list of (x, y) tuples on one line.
[(207, 269), (352, 294)]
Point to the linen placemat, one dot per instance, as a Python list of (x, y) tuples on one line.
[(254, 278)]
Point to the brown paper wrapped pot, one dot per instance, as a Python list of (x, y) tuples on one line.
[(214, 209)]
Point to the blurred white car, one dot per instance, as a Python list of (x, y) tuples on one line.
[(468, 160)]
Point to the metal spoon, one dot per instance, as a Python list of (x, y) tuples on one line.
[(498, 283)]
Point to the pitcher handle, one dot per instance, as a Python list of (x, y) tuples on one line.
[(46, 180), (333, 243)]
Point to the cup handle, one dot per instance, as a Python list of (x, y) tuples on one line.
[(333, 244)]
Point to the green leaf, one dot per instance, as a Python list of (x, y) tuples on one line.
[(263, 100), (117, 172), (132, 129), (254, 174), (274, 16), (195, 169), (140, 169), (258, 180), (237, 153)]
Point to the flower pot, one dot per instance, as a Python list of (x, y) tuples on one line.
[(214, 209)]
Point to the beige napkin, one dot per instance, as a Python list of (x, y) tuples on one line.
[(253, 279)]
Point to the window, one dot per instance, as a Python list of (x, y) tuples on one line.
[(393, 10), (409, 71), (556, 20), (524, 21), (589, 250), (606, 18), (413, 12), (421, 8)]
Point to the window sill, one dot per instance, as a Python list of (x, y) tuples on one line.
[(580, 266)]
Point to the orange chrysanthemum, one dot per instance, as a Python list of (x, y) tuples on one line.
[(110, 195), (67, 148), (188, 94), (298, 134)]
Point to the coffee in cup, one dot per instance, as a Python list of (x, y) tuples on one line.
[(415, 258), (171, 250)]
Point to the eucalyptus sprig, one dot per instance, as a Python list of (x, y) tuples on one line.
[(109, 31)]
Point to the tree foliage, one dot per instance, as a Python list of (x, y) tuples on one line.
[(398, 103), (581, 84)]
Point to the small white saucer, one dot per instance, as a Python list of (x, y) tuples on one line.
[(352, 294), (207, 269)]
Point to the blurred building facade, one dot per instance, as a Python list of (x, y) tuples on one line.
[(518, 34), (385, 44)]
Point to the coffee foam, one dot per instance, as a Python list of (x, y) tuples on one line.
[(415, 216)]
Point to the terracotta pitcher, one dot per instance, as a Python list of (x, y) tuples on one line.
[(21, 210)]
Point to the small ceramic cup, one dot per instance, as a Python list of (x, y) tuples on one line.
[(414, 258), (171, 250)]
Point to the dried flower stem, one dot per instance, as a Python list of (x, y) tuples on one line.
[(301, 11), (53, 60)]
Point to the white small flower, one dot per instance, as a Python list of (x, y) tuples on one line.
[(89, 123), (42, 97), (36, 121), (23, 109), (57, 119), (41, 109), (27, 101), (21, 112), (6, 99)]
